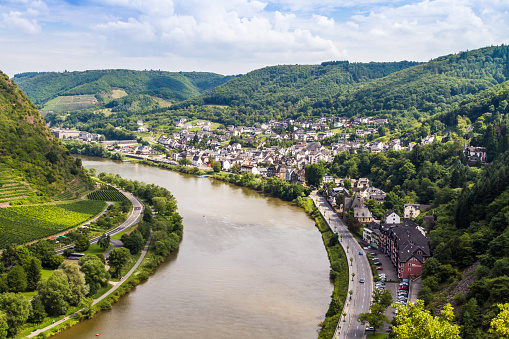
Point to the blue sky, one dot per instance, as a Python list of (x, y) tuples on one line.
[(237, 36)]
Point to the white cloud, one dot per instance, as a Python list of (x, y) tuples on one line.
[(16, 21)]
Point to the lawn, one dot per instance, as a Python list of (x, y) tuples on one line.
[(377, 335), (94, 249)]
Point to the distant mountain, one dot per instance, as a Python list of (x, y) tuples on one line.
[(27, 146), (172, 86), (402, 91)]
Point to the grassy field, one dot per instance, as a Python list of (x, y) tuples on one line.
[(377, 336), (74, 191)]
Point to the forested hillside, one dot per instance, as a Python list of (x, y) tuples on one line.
[(27, 145), (41, 87), (386, 90)]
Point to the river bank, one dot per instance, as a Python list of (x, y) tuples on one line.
[(151, 257)]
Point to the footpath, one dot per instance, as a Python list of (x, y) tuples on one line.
[(131, 220)]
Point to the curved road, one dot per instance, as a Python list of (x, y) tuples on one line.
[(361, 298), (132, 219)]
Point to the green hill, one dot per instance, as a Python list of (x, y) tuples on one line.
[(173, 86), (402, 91), (29, 149)]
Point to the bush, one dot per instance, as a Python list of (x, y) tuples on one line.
[(459, 298)]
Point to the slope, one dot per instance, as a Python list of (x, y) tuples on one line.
[(26, 145), (402, 91), (41, 87)]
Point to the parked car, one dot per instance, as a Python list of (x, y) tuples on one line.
[(378, 263), (372, 253), (370, 329), (379, 268), (375, 259)]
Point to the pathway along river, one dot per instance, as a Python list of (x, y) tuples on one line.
[(249, 266)]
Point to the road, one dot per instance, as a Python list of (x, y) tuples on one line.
[(349, 327), (132, 219)]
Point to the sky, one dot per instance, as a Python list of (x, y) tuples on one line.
[(236, 36)]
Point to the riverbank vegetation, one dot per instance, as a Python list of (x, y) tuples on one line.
[(338, 271)]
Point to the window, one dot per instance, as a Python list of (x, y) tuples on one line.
[(409, 270), (409, 264)]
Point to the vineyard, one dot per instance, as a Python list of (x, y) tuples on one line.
[(75, 190), (19, 225), (12, 186), (107, 194)]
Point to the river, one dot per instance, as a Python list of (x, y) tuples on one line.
[(249, 266)]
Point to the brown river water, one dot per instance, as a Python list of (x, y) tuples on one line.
[(249, 266)]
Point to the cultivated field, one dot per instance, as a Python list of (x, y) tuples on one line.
[(12, 186), (70, 103), (22, 224)]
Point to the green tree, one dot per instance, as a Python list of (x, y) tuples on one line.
[(470, 319), (500, 324), (314, 174), (53, 292), (185, 162), (82, 243), (77, 285), (17, 279), (16, 309), (33, 273), (9, 255), (235, 168), (37, 312), (133, 242), (4, 327), (104, 241), (414, 322), (216, 166), (96, 275), (160, 204), (119, 257), (376, 316)]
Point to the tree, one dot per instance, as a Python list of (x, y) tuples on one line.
[(314, 174), (54, 292), (117, 260), (160, 204), (33, 273), (4, 327), (133, 242), (37, 312), (185, 162), (77, 285), (376, 317), (9, 255), (82, 243), (104, 241), (500, 324), (235, 168), (16, 308), (96, 275), (470, 319), (414, 322), (17, 279), (216, 166)]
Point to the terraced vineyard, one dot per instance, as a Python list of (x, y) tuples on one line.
[(12, 186), (23, 224), (107, 194), (75, 190)]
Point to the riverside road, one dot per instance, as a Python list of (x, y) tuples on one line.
[(349, 327)]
